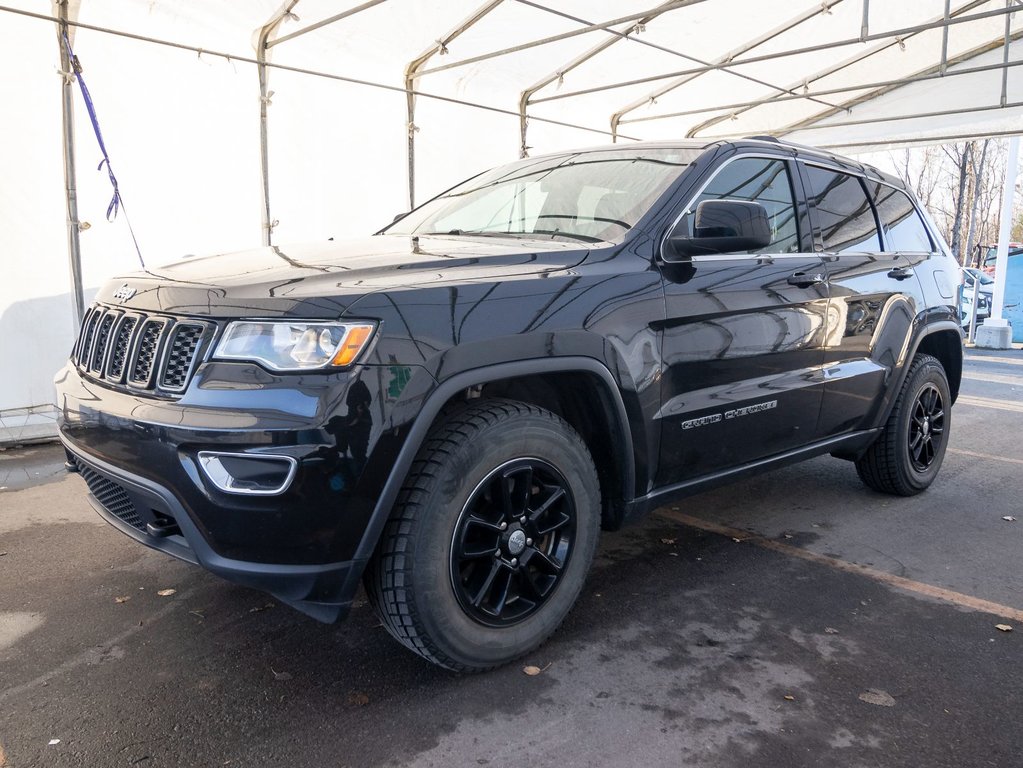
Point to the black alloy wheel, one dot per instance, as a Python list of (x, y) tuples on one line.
[(926, 428), (489, 542), (512, 542), (908, 452)]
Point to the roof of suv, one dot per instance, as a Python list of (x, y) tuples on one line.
[(754, 142)]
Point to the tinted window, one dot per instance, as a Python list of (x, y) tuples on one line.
[(903, 229), (762, 181), (845, 216)]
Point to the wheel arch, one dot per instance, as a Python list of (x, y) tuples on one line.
[(944, 341), (540, 382)]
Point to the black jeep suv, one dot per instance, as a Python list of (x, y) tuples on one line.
[(452, 409)]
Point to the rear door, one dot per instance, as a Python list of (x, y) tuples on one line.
[(872, 298), (743, 339)]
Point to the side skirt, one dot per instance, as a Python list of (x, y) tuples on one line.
[(847, 446)]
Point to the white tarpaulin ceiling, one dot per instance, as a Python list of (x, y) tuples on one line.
[(177, 93)]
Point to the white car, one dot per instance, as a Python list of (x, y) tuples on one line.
[(984, 294)]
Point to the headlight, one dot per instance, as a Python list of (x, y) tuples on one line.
[(295, 346)]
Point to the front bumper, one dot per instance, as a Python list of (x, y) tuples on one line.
[(151, 514), (307, 545)]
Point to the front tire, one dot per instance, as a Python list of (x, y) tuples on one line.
[(906, 457), (491, 538)]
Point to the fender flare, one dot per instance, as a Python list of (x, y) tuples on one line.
[(925, 331), (449, 387)]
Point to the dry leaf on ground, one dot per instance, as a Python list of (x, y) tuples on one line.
[(830, 631), (280, 675), (358, 698), (122, 599), (1009, 519), (166, 592), (1003, 627), (668, 541), (54, 742), (877, 698), (790, 698)]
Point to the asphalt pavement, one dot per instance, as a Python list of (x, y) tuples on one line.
[(794, 619)]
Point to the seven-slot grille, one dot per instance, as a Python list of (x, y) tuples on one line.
[(140, 351)]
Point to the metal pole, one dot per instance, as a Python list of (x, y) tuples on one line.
[(781, 54), (412, 73), (1005, 226), (70, 184), (262, 46), (973, 309)]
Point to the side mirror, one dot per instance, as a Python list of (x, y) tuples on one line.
[(400, 216), (723, 226)]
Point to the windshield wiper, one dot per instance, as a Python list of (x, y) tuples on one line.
[(499, 233)]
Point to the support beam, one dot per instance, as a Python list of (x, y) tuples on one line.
[(266, 32), (582, 58), (336, 17), (996, 332), (723, 60), (557, 38), (834, 69), (74, 246), (412, 73), (827, 46)]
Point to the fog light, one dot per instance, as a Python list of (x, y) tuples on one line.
[(250, 474)]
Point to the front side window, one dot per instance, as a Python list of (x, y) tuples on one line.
[(903, 229), (589, 196), (758, 180), (844, 213)]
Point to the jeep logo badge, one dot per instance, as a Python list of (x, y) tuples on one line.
[(124, 293)]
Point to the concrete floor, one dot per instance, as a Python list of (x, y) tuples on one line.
[(735, 629)]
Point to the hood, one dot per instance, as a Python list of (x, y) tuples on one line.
[(323, 279)]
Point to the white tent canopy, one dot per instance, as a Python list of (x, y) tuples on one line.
[(370, 104)]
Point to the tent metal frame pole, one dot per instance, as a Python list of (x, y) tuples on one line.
[(944, 37), (412, 73), (1004, 229), (730, 56), (876, 36), (317, 25), (865, 21), (939, 139), (931, 73), (846, 106), (627, 34), (671, 6), (833, 91), (267, 31), (74, 245), (1005, 54), (560, 72)]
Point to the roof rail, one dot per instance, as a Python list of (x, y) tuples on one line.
[(763, 138)]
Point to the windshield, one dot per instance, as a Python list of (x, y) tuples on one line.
[(589, 196)]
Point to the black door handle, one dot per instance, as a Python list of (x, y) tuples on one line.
[(901, 273), (806, 279)]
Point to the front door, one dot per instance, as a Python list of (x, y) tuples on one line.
[(743, 338)]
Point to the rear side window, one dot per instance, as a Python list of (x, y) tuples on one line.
[(844, 213), (758, 180), (903, 229)]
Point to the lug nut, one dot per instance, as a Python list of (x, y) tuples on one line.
[(497, 553), (504, 526), (514, 561), (522, 519), (529, 542)]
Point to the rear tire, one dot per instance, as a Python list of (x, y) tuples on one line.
[(489, 543), (908, 453)]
